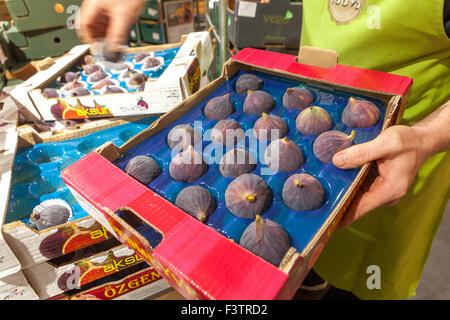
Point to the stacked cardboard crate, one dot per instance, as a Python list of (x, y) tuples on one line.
[(263, 24), (38, 29), (78, 259), (13, 284), (163, 21), (75, 259)]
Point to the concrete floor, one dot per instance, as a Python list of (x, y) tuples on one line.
[(435, 282)]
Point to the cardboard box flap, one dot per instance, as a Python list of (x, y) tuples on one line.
[(348, 76), (317, 57)]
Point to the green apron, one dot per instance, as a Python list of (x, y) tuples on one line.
[(406, 38)]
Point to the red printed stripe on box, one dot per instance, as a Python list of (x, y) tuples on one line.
[(340, 74), (209, 259)]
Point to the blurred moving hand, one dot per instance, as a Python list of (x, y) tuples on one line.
[(108, 19)]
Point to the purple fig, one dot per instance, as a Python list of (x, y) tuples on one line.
[(302, 192), (152, 63), (270, 127), (98, 75), (258, 102), (219, 108), (91, 68), (50, 93), (72, 85), (248, 195), (129, 72), (329, 143), (104, 82), (313, 120), (187, 166), (360, 114), (297, 98), (112, 89), (52, 246), (141, 56), (267, 239), (136, 79), (88, 59), (236, 162), (283, 155), (227, 132), (248, 82), (57, 110), (183, 135), (80, 91), (143, 168), (50, 216), (69, 76), (197, 201)]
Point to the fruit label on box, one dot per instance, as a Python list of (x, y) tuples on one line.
[(247, 9), (72, 238), (117, 289), (87, 271)]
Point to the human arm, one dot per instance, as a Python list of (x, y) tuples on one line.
[(399, 152)]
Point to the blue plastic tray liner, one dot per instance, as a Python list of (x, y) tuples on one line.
[(36, 170), (166, 57), (300, 225)]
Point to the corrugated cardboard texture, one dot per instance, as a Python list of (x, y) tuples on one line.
[(188, 254)]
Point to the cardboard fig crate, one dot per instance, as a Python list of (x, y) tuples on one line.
[(257, 24), (38, 44), (30, 15), (42, 132), (178, 18), (152, 11), (32, 246), (151, 31), (135, 283), (134, 36), (62, 274), (9, 264), (197, 260), (177, 81)]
